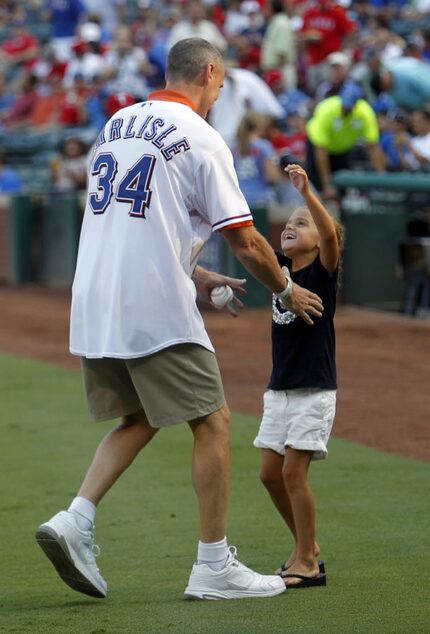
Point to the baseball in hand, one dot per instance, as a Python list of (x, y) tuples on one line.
[(221, 296)]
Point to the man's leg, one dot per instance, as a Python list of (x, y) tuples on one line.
[(67, 538), (114, 454), (211, 472), (217, 574)]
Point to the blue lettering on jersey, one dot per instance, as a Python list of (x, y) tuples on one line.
[(174, 148), (115, 130), (144, 126), (100, 139), (152, 132), (129, 133), (149, 131), (162, 136)]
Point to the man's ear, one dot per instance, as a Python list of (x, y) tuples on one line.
[(208, 73)]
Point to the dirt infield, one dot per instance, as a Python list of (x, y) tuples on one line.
[(383, 363)]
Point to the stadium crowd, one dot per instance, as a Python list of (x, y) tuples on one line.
[(314, 79)]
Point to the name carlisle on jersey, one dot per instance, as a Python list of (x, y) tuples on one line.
[(148, 130)]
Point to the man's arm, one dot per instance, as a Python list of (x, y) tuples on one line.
[(376, 157), (322, 163), (257, 256)]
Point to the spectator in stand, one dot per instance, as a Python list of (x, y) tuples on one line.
[(246, 54), (19, 50), (10, 182), (287, 196), (406, 80), (145, 24), (296, 137), (279, 43), (69, 168), (111, 14), (154, 36), (414, 46), (6, 96), (236, 19), (127, 66), (117, 101), (72, 108), (255, 161), (290, 141), (64, 17), (195, 24), (361, 12), (400, 125), (95, 101), (46, 110), (87, 59), (413, 267), (48, 64), (19, 112), (418, 145), (243, 90), (290, 98), (324, 30), (339, 65), (255, 29), (426, 38), (387, 141), (337, 125)]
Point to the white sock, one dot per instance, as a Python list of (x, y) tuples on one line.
[(213, 555), (85, 512)]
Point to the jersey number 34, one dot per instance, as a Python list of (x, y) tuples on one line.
[(133, 188)]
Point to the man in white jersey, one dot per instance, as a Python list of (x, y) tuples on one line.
[(159, 178)]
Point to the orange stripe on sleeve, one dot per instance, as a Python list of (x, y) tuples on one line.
[(245, 223)]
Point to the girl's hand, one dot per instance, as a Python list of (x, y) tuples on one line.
[(298, 178)]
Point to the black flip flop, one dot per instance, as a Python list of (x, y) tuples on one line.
[(320, 562), (306, 582)]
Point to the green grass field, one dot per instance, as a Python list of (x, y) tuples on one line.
[(373, 511)]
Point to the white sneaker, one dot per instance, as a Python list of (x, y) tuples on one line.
[(234, 581), (72, 552)]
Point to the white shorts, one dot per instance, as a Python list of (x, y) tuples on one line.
[(300, 419)]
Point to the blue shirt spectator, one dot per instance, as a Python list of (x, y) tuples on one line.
[(254, 160), (10, 182), (406, 80), (65, 16)]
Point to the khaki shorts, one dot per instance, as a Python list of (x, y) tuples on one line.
[(180, 383)]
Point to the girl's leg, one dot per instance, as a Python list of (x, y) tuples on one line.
[(271, 476), (295, 477)]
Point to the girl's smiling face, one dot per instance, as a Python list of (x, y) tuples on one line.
[(300, 235)]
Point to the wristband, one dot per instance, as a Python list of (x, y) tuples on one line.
[(286, 293)]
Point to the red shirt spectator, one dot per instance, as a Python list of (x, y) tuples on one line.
[(324, 27), (20, 47), (23, 104)]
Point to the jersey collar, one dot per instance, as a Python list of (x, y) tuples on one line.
[(171, 95)]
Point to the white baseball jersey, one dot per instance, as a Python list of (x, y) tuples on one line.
[(159, 177)]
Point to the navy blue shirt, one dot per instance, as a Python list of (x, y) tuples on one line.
[(303, 356)]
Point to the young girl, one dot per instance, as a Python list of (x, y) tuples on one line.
[(299, 405)]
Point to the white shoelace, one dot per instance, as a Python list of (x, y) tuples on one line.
[(94, 551)]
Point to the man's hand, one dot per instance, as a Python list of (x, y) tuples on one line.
[(303, 302), (205, 281)]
